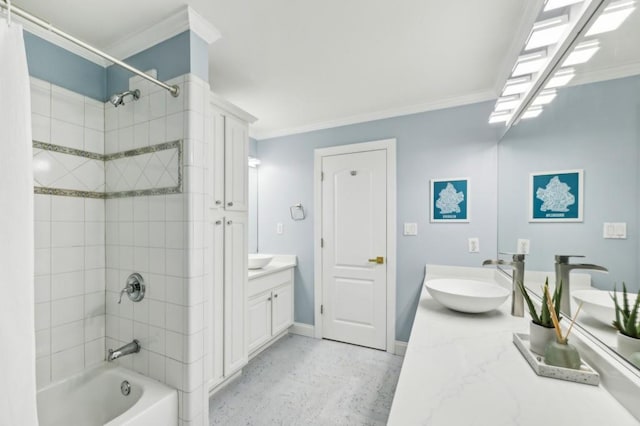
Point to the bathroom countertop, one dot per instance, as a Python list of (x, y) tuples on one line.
[(463, 369), (279, 263)]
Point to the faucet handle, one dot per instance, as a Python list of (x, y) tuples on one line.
[(516, 257), (564, 258)]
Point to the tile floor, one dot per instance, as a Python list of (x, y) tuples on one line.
[(305, 381)]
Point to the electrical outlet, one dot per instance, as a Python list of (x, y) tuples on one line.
[(410, 229), (279, 228), (523, 246), (474, 245)]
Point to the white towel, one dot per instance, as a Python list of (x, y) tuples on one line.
[(17, 332)]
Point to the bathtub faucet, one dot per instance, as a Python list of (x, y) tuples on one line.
[(129, 348), (517, 276)]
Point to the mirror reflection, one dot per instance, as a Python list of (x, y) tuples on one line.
[(591, 127)]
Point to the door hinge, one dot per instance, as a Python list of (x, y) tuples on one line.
[(321, 309), (321, 242)]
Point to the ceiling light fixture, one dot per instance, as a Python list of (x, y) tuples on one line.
[(507, 103), (557, 4), (532, 112), (582, 53), (500, 117), (545, 97), (547, 32), (517, 85), (529, 63), (612, 17), (561, 78), (254, 162)]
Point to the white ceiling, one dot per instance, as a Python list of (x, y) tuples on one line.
[(300, 65)]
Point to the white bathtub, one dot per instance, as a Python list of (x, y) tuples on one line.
[(94, 398)]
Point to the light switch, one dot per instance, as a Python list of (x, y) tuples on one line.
[(410, 229), (614, 230), (474, 245), (523, 246), (279, 228)]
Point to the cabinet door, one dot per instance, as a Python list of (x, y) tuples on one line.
[(236, 189), (282, 308), (235, 293), (215, 294), (216, 159), (259, 318)]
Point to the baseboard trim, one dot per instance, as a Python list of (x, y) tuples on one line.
[(401, 348), (302, 329)]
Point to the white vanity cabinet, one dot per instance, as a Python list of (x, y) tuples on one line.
[(270, 308), (226, 283), (229, 152)]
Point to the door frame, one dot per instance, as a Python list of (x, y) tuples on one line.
[(389, 145)]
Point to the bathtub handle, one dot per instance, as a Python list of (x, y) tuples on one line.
[(134, 288)]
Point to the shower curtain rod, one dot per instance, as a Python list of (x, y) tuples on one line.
[(174, 90)]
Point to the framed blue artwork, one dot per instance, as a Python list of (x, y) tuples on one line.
[(556, 196), (450, 200)]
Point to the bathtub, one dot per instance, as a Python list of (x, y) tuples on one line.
[(94, 397)]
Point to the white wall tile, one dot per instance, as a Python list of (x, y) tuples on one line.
[(41, 99), (173, 373), (125, 331), (175, 126), (176, 290), (194, 347), (94, 304), (94, 141), (94, 352), (43, 372), (157, 314), (42, 207), (195, 319), (67, 209), (141, 362), (94, 327), (125, 233), (67, 234), (156, 339), (112, 326), (174, 237), (42, 288), (125, 113), (141, 109), (196, 294), (174, 208), (42, 234), (157, 235), (94, 257), (64, 311), (94, 233), (41, 128), (141, 259), (65, 285), (93, 116), (67, 106), (67, 336), (176, 103), (141, 135), (67, 363), (158, 104), (157, 366), (43, 343), (111, 142), (125, 138), (176, 317), (67, 134), (42, 262), (157, 131), (193, 374), (67, 259), (157, 282), (94, 281), (110, 117), (42, 316)]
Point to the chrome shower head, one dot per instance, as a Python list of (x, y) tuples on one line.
[(118, 98)]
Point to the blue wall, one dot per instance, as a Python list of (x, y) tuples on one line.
[(594, 127), (182, 54), (455, 142), (56, 65)]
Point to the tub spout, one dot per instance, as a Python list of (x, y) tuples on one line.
[(129, 348)]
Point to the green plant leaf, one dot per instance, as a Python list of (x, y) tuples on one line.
[(532, 309)]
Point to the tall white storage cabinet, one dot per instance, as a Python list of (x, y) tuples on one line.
[(228, 147)]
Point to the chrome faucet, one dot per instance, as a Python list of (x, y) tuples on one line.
[(563, 269), (517, 266), (129, 348)]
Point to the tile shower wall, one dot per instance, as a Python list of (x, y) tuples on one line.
[(161, 237), (69, 234)]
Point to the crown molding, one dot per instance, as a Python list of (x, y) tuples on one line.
[(378, 115), (59, 41), (221, 102), (183, 20)]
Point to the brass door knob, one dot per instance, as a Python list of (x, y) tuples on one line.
[(379, 260)]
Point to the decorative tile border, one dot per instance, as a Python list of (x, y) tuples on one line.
[(176, 189)]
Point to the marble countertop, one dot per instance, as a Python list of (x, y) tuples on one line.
[(279, 263), (463, 369)]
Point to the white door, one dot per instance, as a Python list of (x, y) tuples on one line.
[(236, 151), (354, 221), (215, 288), (259, 318), (235, 293), (282, 308)]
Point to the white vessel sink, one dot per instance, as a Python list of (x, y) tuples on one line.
[(257, 261), (598, 303), (465, 295)]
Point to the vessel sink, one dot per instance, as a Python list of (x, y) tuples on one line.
[(465, 295), (598, 303), (258, 261)]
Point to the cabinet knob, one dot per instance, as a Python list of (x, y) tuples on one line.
[(230, 203), (269, 299), (275, 295), (218, 202), (218, 222), (229, 222)]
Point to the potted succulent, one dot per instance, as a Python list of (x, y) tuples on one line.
[(541, 330), (627, 323)]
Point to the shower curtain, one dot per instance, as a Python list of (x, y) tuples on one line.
[(17, 332)]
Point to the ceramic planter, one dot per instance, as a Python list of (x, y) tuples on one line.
[(540, 337), (627, 345)]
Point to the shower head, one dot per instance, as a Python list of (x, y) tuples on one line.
[(118, 98)]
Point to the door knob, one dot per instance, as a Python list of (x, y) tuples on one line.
[(379, 260)]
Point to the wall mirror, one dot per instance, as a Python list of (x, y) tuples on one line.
[(592, 125)]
